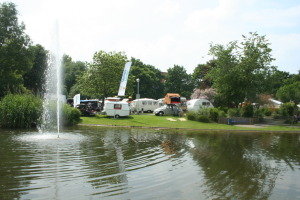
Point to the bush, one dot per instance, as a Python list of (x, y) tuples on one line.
[(234, 112), (196, 116), (191, 115), (206, 115), (214, 114), (259, 113), (287, 110), (20, 111), (71, 115), (202, 118), (247, 110), (267, 111)]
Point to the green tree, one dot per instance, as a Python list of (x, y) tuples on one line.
[(274, 80), (15, 57), (179, 81), (200, 77), (103, 75), (73, 70), (241, 69), (35, 77), (151, 85), (290, 92)]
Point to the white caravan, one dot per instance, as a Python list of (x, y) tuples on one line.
[(144, 105), (196, 104), (116, 109)]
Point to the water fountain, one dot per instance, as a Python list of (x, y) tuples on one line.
[(52, 102)]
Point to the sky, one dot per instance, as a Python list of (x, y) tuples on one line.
[(162, 32)]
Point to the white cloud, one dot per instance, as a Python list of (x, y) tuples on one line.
[(274, 17), (168, 8), (161, 32)]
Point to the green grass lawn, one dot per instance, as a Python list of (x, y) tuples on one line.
[(161, 121)]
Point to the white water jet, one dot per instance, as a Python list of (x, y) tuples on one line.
[(52, 100)]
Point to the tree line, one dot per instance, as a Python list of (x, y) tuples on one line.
[(238, 71)]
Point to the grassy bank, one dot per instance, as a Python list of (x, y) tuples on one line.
[(155, 121)]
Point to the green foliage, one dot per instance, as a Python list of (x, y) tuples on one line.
[(191, 115), (287, 109), (35, 77), (103, 75), (274, 80), (196, 116), (200, 77), (240, 69), (234, 112), (179, 81), (206, 115), (20, 111), (71, 115), (73, 71), (150, 85), (211, 113), (15, 58), (266, 111), (202, 118), (259, 113), (247, 110), (290, 92)]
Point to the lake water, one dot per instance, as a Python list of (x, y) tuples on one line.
[(111, 163)]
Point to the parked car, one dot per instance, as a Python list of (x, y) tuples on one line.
[(86, 110), (169, 109)]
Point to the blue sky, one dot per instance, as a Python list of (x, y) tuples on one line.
[(163, 32)]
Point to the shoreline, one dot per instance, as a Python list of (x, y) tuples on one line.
[(190, 129)]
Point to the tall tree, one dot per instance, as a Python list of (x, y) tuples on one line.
[(35, 77), (103, 75), (290, 92), (241, 69), (274, 80), (200, 77), (179, 81), (73, 70), (150, 86), (15, 57)]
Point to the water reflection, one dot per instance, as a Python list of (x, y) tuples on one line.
[(106, 163)]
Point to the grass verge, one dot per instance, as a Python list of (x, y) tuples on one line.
[(155, 121)]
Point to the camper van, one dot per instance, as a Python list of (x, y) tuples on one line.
[(116, 109), (196, 104), (144, 105)]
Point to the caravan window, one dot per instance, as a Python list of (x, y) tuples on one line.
[(144, 102), (117, 106), (155, 103), (205, 103)]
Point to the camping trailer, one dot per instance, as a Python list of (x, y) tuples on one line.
[(144, 105), (116, 109), (196, 104)]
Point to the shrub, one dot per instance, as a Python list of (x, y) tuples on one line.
[(222, 113), (20, 111), (196, 116), (234, 112), (214, 114), (267, 111), (191, 115), (247, 110), (202, 118), (287, 109), (259, 113), (71, 115)]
